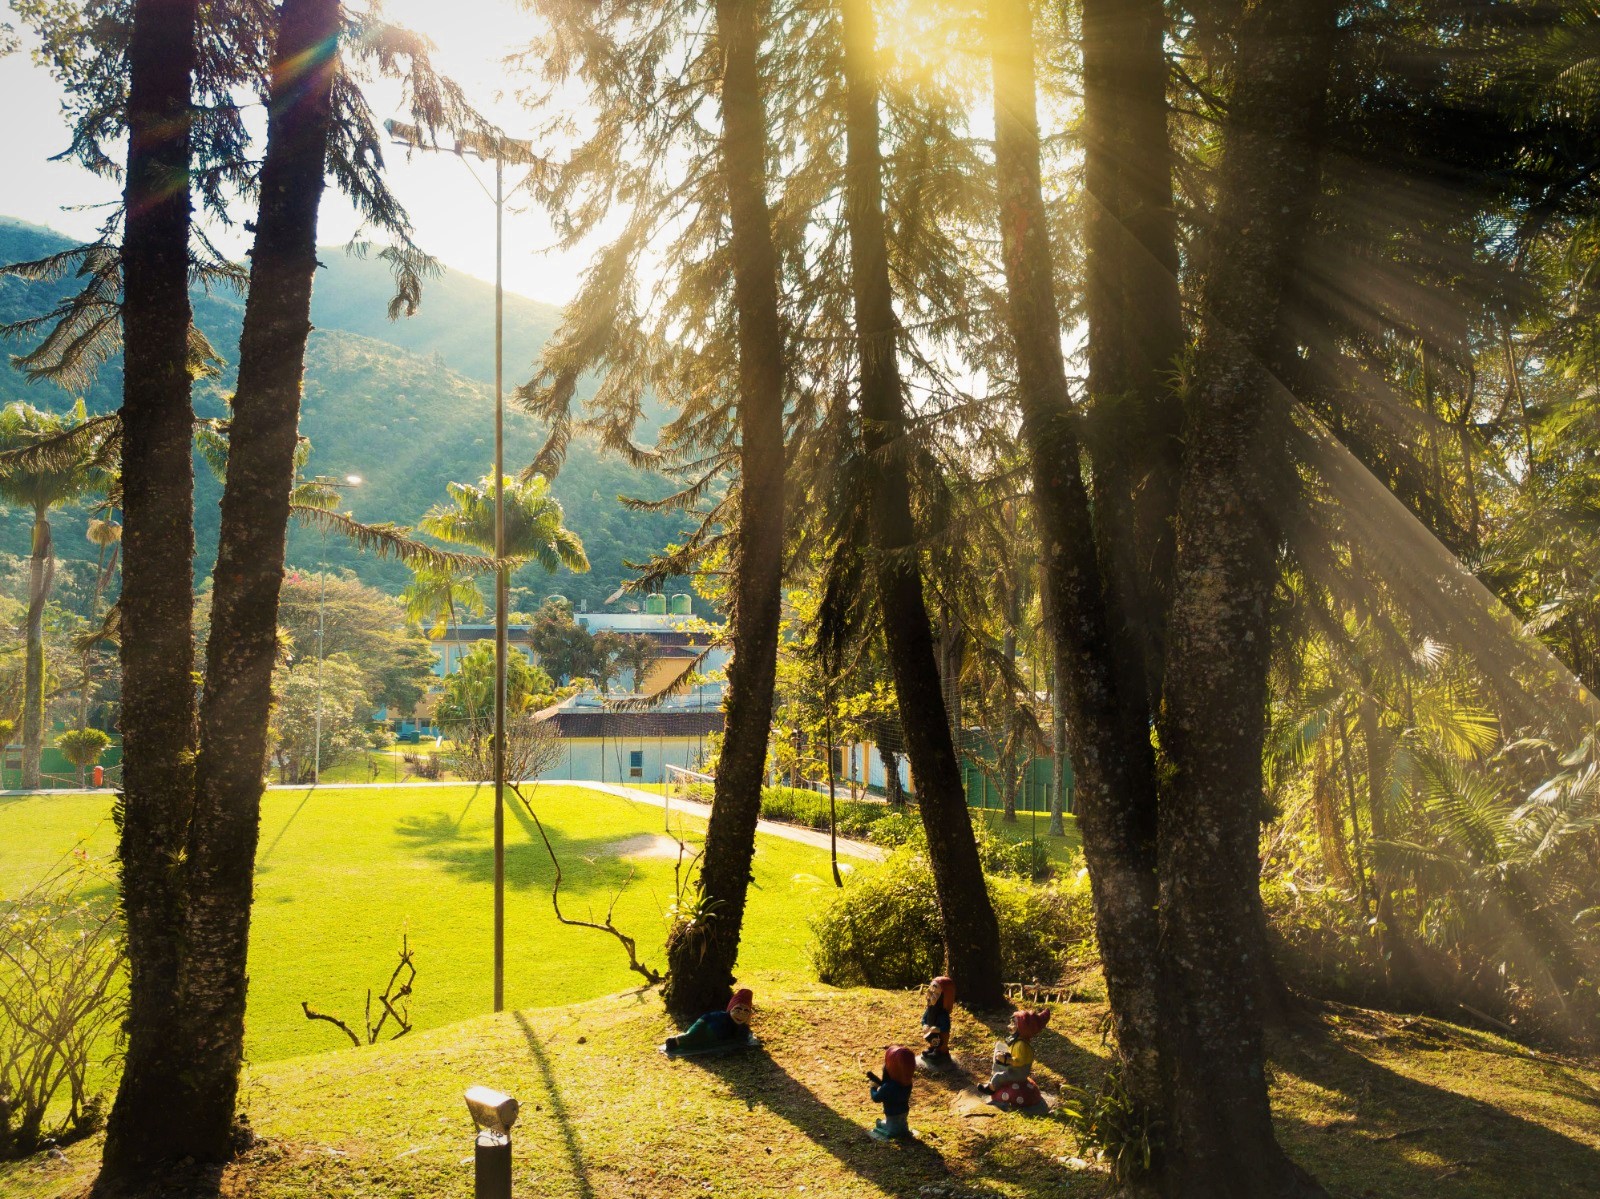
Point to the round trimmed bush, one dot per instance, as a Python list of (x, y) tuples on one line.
[(883, 929)]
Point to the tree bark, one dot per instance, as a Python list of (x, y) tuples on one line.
[(241, 650), (701, 959), (891, 777), (157, 577), (41, 574), (1219, 1125), (1135, 330), (971, 930), (1115, 777), (1058, 756)]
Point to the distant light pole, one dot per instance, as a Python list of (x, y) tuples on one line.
[(322, 597), (492, 147)]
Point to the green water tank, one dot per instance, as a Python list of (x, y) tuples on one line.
[(655, 605), (682, 604)]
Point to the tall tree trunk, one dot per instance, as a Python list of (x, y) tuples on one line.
[(1135, 330), (971, 930), (240, 652), (158, 709), (1135, 337), (1008, 753), (1219, 1124), (41, 574), (1115, 778), (1058, 755), (701, 960), (891, 777)]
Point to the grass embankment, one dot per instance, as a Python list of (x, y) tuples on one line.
[(341, 875), (1373, 1105)]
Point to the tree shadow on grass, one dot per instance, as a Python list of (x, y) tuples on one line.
[(1403, 1136), (266, 855), (897, 1167), (558, 1109), (590, 866)]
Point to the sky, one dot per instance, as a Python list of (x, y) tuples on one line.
[(454, 219)]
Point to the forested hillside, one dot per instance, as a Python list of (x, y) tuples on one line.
[(407, 405)]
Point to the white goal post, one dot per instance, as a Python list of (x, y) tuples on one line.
[(680, 783)]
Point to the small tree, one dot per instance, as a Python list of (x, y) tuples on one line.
[(565, 648), (83, 747), (607, 663), (466, 714), (637, 655), (301, 693)]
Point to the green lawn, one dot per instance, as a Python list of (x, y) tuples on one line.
[(1373, 1105), (341, 875)]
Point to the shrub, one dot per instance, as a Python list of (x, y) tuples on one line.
[(424, 766), (83, 747), (802, 806), (883, 931), (60, 959), (1001, 855), (900, 827)]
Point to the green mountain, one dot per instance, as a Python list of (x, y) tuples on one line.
[(408, 405)]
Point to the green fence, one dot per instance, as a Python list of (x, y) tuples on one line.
[(53, 765), (1033, 794)]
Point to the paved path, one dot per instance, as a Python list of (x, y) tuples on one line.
[(789, 832)]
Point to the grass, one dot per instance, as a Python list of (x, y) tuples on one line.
[(341, 875), (1373, 1105)]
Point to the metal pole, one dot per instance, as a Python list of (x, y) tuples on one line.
[(500, 590)]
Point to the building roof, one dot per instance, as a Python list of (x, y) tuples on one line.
[(632, 725), (663, 637)]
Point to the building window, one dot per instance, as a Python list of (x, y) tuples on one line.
[(636, 763)]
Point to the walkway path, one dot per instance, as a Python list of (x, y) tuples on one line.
[(864, 850), (789, 832)]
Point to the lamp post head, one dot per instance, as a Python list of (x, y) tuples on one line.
[(493, 1111)]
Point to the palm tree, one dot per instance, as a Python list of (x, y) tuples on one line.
[(534, 528), (435, 596), (41, 483)]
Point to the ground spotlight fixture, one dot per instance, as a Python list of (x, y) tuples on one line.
[(493, 1112)]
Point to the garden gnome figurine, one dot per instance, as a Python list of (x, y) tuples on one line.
[(1010, 1086), (936, 1024), (893, 1090), (717, 1032)]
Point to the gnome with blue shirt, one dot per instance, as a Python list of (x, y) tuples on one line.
[(717, 1032), (893, 1090)]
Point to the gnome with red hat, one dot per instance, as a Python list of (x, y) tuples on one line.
[(936, 1024), (1011, 1086), (893, 1090), (717, 1032)]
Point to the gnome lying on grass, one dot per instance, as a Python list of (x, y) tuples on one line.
[(893, 1090), (717, 1032)]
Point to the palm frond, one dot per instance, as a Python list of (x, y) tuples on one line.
[(392, 541)]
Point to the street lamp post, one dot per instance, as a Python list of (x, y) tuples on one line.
[(322, 596), (496, 148)]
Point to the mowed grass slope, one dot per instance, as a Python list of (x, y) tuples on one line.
[(342, 874), (1373, 1105)]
